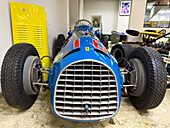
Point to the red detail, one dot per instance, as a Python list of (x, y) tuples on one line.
[(76, 43), (95, 43)]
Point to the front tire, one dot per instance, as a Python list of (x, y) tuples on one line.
[(151, 87), (12, 76)]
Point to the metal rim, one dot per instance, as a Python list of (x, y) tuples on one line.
[(28, 75), (76, 24), (140, 75)]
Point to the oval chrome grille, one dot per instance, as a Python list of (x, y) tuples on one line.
[(86, 90)]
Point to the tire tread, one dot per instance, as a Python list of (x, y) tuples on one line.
[(11, 77), (156, 79)]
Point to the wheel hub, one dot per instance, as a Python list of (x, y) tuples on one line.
[(31, 74), (137, 77)]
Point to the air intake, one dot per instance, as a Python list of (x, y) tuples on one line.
[(86, 90)]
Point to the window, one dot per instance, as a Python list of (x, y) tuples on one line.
[(157, 14)]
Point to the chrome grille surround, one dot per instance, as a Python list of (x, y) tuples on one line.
[(86, 82)]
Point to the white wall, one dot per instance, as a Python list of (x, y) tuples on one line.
[(137, 17), (107, 8), (137, 14), (63, 18), (73, 11), (81, 9), (54, 21), (123, 21)]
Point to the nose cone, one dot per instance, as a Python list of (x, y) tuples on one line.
[(82, 73)]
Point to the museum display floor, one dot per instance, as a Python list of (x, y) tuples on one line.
[(40, 115)]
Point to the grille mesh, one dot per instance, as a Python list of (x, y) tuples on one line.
[(83, 84)]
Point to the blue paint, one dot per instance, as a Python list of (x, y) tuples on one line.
[(70, 33), (96, 33), (83, 28), (86, 107), (60, 63)]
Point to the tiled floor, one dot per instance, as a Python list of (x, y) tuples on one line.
[(40, 115)]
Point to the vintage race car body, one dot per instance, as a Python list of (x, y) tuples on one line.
[(85, 80)]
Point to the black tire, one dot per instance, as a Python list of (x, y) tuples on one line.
[(58, 43), (12, 76), (156, 79), (105, 41), (121, 51), (99, 36)]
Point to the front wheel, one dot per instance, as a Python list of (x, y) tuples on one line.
[(150, 73), (17, 74)]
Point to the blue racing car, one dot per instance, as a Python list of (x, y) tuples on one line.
[(84, 78)]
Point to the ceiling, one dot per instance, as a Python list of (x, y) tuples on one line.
[(158, 0)]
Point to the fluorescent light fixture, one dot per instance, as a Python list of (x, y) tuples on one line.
[(162, 15)]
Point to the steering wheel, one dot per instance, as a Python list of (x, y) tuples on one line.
[(77, 23)]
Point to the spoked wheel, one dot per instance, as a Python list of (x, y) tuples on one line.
[(20, 69), (148, 73)]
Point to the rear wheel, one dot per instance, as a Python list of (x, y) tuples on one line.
[(122, 52), (105, 41), (17, 74), (150, 73), (58, 44)]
